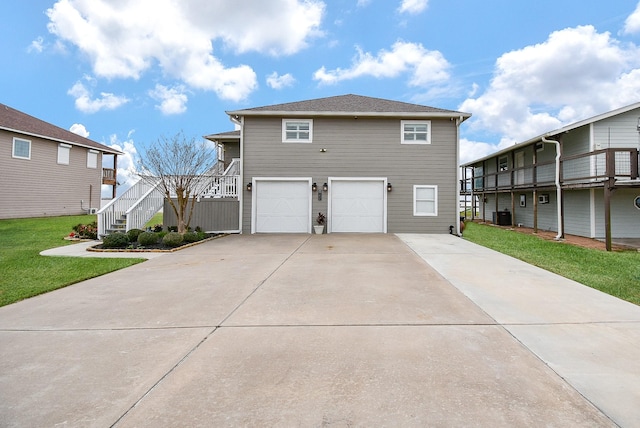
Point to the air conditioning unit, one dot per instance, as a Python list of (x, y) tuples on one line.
[(93, 210), (543, 199)]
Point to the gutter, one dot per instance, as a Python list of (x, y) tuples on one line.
[(558, 187)]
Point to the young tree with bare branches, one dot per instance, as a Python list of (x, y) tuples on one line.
[(178, 163)]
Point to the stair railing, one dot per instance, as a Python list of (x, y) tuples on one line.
[(118, 207)]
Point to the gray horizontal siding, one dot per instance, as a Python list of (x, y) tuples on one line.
[(211, 215), (360, 148), (39, 187)]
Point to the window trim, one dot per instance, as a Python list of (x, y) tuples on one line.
[(415, 122), (415, 200), (89, 153), (296, 140), (67, 157), (13, 149)]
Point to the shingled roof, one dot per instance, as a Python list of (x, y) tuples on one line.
[(19, 122), (350, 105)]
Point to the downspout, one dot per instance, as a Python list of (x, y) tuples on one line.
[(558, 187), (241, 179), (458, 121)]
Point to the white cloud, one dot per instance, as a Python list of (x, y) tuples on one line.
[(37, 45), (172, 100), (78, 128), (575, 74), (425, 67), (125, 39), (126, 170), (632, 23), (363, 3), (276, 81), (85, 104), (413, 6)]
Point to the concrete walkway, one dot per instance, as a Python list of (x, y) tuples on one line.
[(308, 330)]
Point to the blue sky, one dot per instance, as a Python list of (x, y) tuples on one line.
[(128, 72)]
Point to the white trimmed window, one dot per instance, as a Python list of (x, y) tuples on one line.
[(21, 148), (425, 200), (503, 163), (63, 153), (92, 159), (297, 130), (416, 131)]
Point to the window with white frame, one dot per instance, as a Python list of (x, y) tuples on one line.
[(92, 159), (297, 130), (21, 148), (416, 131), (425, 200), (63, 153)]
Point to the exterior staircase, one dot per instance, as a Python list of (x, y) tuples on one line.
[(135, 207)]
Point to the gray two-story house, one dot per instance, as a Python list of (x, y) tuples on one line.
[(367, 164), (581, 179)]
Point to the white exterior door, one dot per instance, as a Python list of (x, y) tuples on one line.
[(282, 206), (357, 205)]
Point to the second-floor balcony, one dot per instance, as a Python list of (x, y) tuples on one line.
[(579, 171)]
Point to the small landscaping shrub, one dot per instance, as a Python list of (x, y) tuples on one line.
[(172, 239), (133, 234), (191, 237), (161, 234), (172, 228), (115, 240), (85, 231), (148, 238), (156, 228)]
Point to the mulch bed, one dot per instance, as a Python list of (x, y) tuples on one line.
[(157, 248)]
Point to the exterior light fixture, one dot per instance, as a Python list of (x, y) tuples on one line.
[(389, 187), (248, 187), (325, 187), (638, 127), (314, 187)]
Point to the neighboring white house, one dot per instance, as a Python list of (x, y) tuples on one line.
[(581, 179)]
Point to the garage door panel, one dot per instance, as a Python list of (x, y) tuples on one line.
[(357, 206), (282, 207)]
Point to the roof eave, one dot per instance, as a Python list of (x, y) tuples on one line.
[(264, 113), (73, 143)]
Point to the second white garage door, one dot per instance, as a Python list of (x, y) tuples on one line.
[(282, 206), (358, 206)]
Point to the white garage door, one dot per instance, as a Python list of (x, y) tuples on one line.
[(282, 207), (357, 206)]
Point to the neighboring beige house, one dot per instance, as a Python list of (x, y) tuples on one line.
[(581, 179), (49, 171)]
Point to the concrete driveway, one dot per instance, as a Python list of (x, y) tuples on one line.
[(322, 330)]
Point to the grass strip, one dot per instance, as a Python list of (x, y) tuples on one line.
[(25, 273)]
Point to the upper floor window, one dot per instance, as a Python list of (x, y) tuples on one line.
[(503, 163), (92, 159), (21, 148), (297, 130), (63, 153), (416, 131)]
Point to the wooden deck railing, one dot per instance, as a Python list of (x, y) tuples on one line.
[(585, 169), (109, 176)]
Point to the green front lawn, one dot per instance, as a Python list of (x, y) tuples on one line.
[(615, 273), (25, 273)]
